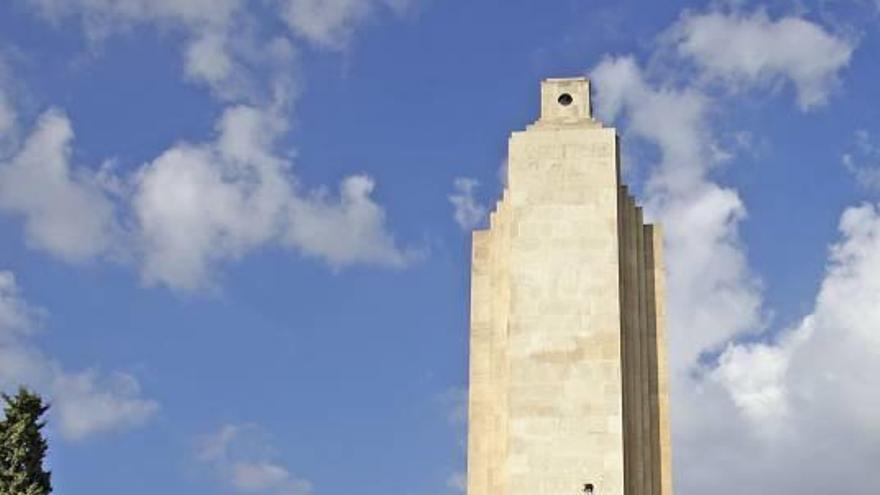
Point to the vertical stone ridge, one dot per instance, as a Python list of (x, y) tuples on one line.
[(626, 347), (653, 342), (644, 371), (663, 448)]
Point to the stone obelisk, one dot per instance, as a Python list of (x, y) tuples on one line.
[(568, 383)]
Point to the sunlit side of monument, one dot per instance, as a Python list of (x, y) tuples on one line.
[(568, 381)]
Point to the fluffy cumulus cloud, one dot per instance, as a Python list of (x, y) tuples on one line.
[(85, 403), (745, 49), (241, 457), (63, 209), (798, 400), (753, 375), (197, 204), (88, 403), (467, 211), (808, 392), (344, 230)]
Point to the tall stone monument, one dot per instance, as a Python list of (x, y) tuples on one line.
[(568, 381)]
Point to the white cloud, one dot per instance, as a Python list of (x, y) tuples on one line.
[(207, 58), (468, 213), (83, 403), (197, 205), (754, 49), (64, 211), (86, 403), (344, 231), (241, 457), (330, 23), (863, 160), (753, 374), (808, 393), (19, 363), (17, 318), (326, 23)]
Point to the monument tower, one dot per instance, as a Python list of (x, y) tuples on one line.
[(568, 380)]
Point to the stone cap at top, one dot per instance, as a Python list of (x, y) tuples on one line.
[(566, 101)]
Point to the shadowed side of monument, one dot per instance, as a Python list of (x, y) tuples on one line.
[(568, 388)]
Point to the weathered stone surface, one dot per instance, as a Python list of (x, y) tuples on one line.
[(567, 359)]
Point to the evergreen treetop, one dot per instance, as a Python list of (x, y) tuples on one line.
[(22, 446)]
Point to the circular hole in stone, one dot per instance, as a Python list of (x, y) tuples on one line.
[(565, 99)]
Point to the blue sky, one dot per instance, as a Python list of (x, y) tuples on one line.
[(235, 235)]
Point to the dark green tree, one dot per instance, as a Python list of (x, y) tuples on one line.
[(22, 446)]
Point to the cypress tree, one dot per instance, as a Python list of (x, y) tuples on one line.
[(22, 446)]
